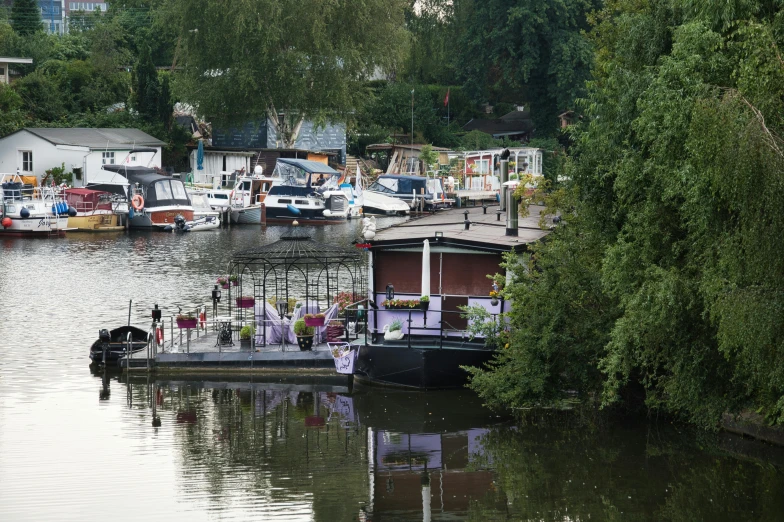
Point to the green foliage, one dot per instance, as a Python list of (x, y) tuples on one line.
[(532, 51), (666, 276), (147, 87), (247, 331), (303, 330), (26, 17), (429, 157), (308, 58), (58, 175), (395, 325)]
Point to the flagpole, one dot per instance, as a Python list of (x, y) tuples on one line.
[(412, 116)]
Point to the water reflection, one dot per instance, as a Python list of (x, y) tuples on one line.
[(319, 450)]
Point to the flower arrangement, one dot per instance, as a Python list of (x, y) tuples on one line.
[(424, 299), (223, 281), (314, 319), (247, 331), (246, 301), (493, 293), (397, 324), (343, 299), (234, 280), (401, 303), (186, 320)]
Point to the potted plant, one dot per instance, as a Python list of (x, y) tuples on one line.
[(424, 303), (393, 331), (335, 331), (314, 319), (234, 280), (304, 334), (186, 320), (223, 281), (246, 301), (493, 297), (246, 333)]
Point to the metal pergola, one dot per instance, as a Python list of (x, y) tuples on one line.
[(300, 268)]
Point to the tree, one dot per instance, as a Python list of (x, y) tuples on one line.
[(147, 87), (289, 60), (526, 51), (26, 17)]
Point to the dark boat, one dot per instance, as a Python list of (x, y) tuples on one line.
[(112, 345)]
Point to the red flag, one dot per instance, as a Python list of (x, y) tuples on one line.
[(446, 98)]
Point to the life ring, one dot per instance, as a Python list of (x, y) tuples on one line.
[(137, 202), (159, 336)]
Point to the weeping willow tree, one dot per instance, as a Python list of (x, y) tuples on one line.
[(668, 276), (290, 60)]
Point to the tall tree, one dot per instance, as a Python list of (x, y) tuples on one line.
[(286, 59), (26, 17), (147, 87)]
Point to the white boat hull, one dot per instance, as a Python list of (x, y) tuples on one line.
[(246, 216)]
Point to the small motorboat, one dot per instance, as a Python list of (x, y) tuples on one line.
[(113, 345), (202, 223)]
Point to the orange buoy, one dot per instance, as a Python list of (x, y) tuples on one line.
[(159, 335), (7, 222), (137, 202)]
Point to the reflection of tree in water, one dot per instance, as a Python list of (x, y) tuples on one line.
[(255, 442), (559, 466)]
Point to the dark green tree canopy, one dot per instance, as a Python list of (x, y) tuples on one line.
[(289, 59), (26, 17)]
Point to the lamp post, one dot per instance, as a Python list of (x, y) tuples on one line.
[(216, 297), (412, 116)]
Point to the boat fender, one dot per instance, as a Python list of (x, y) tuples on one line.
[(71, 211), (294, 210), (327, 213), (131, 213), (167, 228), (137, 202), (159, 336), (7, 222), (203, 320), (24, 213)]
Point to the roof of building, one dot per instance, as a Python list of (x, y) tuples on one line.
[(514, 122), (415, 146), (96, 138), (9, 59), (486, 231)]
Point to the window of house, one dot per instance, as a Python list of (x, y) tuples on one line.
[(107, 158), (482, 166), (27, 161), (2, 71)]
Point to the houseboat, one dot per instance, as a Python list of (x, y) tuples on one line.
[(96, 210), (155, 199), (28, 210), (446, 257), (306, 191), (411, 190)]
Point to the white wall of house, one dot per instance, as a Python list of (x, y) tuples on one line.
[(17, 149)]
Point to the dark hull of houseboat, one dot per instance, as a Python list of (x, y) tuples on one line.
[(283, 215), (417, 367)]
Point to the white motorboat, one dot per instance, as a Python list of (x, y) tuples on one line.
[(305, 191), (412, 190), (31, 211), (381, 205)]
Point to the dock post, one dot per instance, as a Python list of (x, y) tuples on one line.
[(263, 214), (504, 179)]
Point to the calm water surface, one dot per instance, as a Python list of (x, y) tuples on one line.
[(82, 444)]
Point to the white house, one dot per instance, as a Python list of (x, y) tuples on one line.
[(33, 151), (5, 66)]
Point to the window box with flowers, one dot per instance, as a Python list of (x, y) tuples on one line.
[(314, 319), (246, 301), (186, 321), (400, 304)]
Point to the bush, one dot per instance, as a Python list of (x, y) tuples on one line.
[(247, 331), (303, 330)]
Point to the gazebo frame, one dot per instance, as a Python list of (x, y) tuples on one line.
[(293, 261)]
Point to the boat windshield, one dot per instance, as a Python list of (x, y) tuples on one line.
[(384, 185), (295, 176)]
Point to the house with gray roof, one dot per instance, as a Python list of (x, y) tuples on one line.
[(33, 151)]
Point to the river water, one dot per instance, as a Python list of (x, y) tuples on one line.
[(81, 444)]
